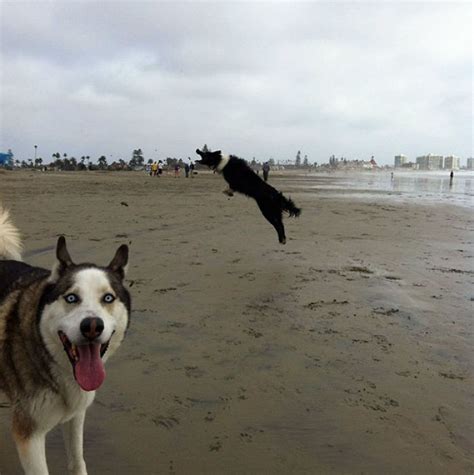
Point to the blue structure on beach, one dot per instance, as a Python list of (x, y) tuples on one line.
[(6, 159)]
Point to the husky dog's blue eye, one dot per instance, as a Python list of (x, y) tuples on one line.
[(108, 298), (71, 298)]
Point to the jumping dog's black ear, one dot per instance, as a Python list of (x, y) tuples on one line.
[(119, 263), (63, 259), (199, 152)]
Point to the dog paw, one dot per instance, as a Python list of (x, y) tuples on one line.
[(77, 469)]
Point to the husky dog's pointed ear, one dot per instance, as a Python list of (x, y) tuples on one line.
[(218, 152), (199, 152), (119, 263), (63, 259), (62, 253)]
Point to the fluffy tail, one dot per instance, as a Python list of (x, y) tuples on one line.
[(288, 205), (10, 242)]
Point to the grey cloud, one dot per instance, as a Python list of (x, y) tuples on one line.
[(257, 79)]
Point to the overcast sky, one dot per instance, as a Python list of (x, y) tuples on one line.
[(261, 79)]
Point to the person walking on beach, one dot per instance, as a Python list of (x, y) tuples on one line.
[(160, 167), (154, 169), (191, 169), (186, 169), (176, 170), (266, 170)]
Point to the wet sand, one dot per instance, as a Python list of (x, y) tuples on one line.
[(349, 350)]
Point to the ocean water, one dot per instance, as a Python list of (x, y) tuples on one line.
[(406, 186)]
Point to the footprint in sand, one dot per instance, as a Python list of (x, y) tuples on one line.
[(166, 422), (254, 333)]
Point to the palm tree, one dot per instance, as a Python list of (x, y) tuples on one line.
[(102, 161)]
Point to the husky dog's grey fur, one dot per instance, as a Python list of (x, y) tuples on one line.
[(57, 328)]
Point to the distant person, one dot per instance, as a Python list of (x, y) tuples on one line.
[(391, 176), (186, 170), (176, 171), (451, 178), (191, 168), (266, 170), (160, 167), (154, 169)]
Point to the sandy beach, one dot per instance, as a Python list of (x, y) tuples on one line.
[(348, 350)]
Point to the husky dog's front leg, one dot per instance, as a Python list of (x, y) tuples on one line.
[(73, 431), (30, 443)]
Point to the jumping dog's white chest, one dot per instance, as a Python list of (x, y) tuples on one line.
[(222, 164)]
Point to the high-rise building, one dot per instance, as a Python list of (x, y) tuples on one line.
[(470, 163), (430, 162), (451, 163), (400, 160)]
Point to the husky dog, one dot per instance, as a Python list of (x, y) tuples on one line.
[(57, 329), (243, 179)]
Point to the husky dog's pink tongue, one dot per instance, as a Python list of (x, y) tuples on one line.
[(89, 371)]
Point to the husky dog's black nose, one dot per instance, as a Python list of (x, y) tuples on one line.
[(92, 328)]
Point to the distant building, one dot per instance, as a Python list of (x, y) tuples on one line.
[(430, 162), (470, 163), (451, 163), (410, 165), (400, 160), (6, 159)]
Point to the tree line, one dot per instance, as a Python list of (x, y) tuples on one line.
[(70, 163), (137, 161)]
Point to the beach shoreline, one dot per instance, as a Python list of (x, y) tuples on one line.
[(348, 350)]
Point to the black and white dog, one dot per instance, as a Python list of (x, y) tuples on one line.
[(243, 179), (57, 329)]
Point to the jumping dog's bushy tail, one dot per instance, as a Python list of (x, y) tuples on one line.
[(10, 241), (288, 205)]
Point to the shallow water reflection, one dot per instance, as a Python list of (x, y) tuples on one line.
[(425, 186)]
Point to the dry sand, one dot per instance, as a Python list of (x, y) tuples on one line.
[(349, 350)]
